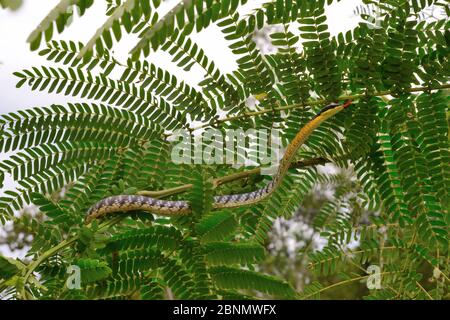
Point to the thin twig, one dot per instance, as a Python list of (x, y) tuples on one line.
[(339, 284), (47, 254)]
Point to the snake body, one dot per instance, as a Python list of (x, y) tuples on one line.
[(125, 203)]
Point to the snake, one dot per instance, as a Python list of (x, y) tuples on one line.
[(126, 203)]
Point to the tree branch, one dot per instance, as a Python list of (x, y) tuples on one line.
[(230, 178), (319, 102), (47, 254)]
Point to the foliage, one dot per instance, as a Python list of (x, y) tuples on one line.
[(11, 4), (395, 137)]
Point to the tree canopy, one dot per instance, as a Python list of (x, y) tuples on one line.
[(391, 216)]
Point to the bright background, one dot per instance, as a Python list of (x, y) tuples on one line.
[(15, 26)]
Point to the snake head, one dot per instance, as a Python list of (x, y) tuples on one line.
[(331, 109)]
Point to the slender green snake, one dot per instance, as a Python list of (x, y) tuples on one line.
[(124, 203)]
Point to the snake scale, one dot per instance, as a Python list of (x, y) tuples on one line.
[(125, 203)]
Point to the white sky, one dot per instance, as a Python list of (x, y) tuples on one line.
[(15, 54)]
